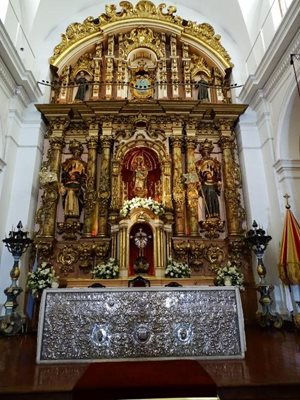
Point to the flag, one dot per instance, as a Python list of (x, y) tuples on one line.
[(30, 298), (289, 262)]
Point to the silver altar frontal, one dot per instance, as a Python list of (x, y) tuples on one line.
[(89, 325)]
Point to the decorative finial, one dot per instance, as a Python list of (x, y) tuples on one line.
[(287, 206)]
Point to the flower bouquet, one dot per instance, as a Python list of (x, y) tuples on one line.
[(43, 277), (156, 207), (230, 275), (106, 270), (175, 269)]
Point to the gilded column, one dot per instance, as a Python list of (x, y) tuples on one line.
[(104, 192), (115, 185), (97, 62), (232, 181), (191, 186), (167, 197), (161, 253), (123, 250), (109, 67), (178, 188), (186, 71), (174, 66), (50, 196), (115, 231), (90, 223)]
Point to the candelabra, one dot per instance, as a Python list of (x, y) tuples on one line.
[(258, 241), (17, 243)]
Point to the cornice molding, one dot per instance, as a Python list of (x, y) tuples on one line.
[(6, 80), (15, 66), (276, 60), (287, 169)]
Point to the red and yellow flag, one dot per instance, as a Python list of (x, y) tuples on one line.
[(289, 262)]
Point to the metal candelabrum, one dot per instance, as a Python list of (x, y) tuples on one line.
[(17, 243), (258, 241)]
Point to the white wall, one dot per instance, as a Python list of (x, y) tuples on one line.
[(20, 149), (271, 94)]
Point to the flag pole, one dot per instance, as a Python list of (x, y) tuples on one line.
[(289, 262)]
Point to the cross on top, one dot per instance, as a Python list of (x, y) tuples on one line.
[(287, 196)]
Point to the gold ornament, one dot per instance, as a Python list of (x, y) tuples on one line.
[(147, 12)]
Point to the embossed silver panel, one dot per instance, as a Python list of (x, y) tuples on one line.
[(140, 323)]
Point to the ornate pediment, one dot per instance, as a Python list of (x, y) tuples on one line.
[(144, 11)]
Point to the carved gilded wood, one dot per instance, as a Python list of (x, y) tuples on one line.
[(147, 98)]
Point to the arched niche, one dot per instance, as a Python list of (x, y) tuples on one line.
[(153, 226), (141, 174), (141, 249), (142, 56), (288, 144), (287, 165), (153, 144)]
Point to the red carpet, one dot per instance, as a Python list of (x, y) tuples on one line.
[(144, 379)]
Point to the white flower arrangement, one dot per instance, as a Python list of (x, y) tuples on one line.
[(175, 269), (44, 277), (156, 207), (230, 275), (107, 270)]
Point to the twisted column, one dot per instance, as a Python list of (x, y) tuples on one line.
[(232, 181), (191, 189), (89, 228), (104, 192), (178, 188)]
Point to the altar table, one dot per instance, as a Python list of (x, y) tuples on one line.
[(102, 324)]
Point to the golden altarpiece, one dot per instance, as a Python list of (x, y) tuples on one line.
[(140, 109)]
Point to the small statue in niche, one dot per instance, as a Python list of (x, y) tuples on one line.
[(202, 86), (73, 182), (83, 86), (209, 171), (140, 176), (210, 189)]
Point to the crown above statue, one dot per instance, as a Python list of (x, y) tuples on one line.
[(76, 148), (206, 147)]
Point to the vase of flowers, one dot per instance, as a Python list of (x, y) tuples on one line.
[(230, 275), (139, 202), (43, 277), (106, 270), (176, 269)]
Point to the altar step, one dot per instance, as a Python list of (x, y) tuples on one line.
[(270, 371)]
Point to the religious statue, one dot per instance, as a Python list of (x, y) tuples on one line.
[(202, 86), (140, 176), (209, 172), (83, 86), (210, 191), (73, 181)]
